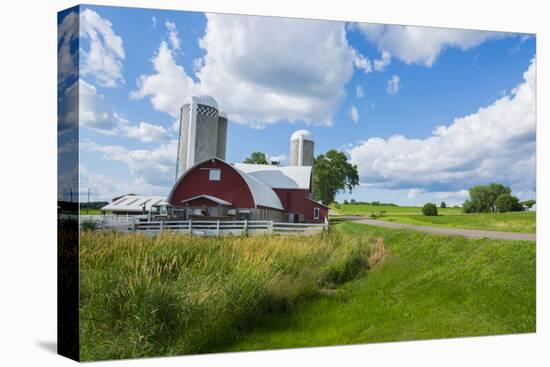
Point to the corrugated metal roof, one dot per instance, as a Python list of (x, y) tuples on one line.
[(263, 194), (133, 203), (286, 177)]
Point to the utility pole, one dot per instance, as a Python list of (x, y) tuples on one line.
[(88, 207)]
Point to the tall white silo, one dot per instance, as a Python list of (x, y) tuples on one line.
[(198, 137), (301, 148), (222, 135)]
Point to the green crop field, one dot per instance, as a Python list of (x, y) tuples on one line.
[(428, 286), (447, 217), (175, 294), (367, 209)]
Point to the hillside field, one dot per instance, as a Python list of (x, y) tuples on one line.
[(428, 286), (174, 294), (447, 217)]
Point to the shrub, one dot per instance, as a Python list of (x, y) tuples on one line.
[(429, 209), (443, 205), (507, 203)]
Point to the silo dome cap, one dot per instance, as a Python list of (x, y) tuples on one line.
[(304, 134), (203, 99)]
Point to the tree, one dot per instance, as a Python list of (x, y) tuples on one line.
[(443, 205), (257, 158), (333, 173), (529, 203), (429, 209), (352, 201), (483, 197), (507, 203)]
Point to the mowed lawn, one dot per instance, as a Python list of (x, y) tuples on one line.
[(447, 217), (428, 286)]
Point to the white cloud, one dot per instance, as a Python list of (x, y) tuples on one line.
[(393, 85), (421, 45), (168, 86), (495, 144), (82, 105), (385, 60), (413, 193), (173, 35), (359, 92), (155, 21), (67, 61), (258, 74), (362, 62), (105, 188), (354, 114), (147, 132), (103, 60), (151, 166)]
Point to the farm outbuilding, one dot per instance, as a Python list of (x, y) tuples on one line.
[(132, 204)]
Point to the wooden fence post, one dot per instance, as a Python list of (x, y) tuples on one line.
[(270, 227), (218, 227), (190, 226), (161, 226), (245, 227)]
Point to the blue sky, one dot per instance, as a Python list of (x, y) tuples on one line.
[(378, 93)]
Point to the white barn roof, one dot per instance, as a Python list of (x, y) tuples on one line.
[(263, 194), (286, 177), (133, 203)]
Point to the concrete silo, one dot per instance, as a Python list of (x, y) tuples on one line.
[(301, 148), (222, 135), (198, 137)]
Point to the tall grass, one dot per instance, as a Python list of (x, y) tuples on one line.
[(172, 294)]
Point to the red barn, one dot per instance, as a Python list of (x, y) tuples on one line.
[(216, 189)]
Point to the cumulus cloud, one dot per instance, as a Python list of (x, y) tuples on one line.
[(105, 187), (173, 35), (154, 166), (354, 114), (168, 87), (67, 61), (259, 74), (363, 63), (393, 85), (381, 63), (103, 58), (94, 113), (495, 144), (421, 45), (147, 132)]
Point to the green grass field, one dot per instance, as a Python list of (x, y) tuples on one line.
[(367, 210), (144, 296), (428, 286), (509, 222), (447, 217), (173, 294)]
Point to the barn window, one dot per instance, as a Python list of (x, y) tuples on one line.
[(214, 174), (316, 212)]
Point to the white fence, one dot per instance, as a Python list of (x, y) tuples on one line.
[(212, 228)]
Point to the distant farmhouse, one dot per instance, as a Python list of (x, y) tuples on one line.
[(207, 187)]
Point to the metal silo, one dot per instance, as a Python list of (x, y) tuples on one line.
[(222, 135), (301, 148), (198, 137)]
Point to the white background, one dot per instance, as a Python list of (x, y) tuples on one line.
[(28, 183)]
